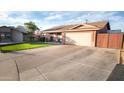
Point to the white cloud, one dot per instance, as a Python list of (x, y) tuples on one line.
[(94, 16), (3, 15), (53, 17), (47, 26), (6, 19), (57, 18), (116, 20)]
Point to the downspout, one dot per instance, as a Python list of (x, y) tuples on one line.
[(122, 44), (95, 39)]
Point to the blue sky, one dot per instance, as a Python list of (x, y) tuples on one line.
[(46, 19)]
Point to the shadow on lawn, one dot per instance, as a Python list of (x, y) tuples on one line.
[(117, 73)]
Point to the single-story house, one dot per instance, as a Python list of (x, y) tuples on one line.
[(10, 34), (78, 34)]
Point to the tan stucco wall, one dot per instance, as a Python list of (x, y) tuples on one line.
[(17, 36)]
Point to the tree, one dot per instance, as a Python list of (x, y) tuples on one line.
[(21, 29), (31, 27)]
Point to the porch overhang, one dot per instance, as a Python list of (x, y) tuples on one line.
[(55, 31)]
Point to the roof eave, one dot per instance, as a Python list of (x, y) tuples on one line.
[(52, 31), (78, 30)]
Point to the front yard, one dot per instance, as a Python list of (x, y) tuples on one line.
[(24, 46)]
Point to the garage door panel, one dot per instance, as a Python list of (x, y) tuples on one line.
[(79, 38)]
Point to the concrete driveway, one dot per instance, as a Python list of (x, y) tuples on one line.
[(60, 62)]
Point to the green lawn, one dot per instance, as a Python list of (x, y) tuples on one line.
[(23, 46)]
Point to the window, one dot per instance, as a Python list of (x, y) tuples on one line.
[(5, 37)]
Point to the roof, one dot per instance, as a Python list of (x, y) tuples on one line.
[(78, 27), (21, 29), (5, 29), (10, 28)]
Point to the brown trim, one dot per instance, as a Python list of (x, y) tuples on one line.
[(94, 38), (69, 31)]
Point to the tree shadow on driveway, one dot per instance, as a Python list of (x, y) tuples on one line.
[(117, 73)]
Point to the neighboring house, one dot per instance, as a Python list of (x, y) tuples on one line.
[(37, 32), (10, 34), (78, 34), (23, 31), (37, 35)]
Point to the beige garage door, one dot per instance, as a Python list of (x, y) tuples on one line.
[(79, 38)]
